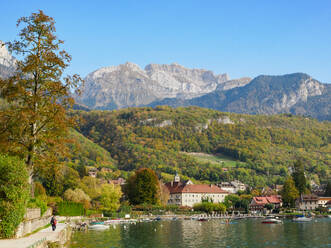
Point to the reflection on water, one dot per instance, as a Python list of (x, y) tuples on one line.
[(189, 233)]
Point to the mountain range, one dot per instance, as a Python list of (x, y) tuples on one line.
[(128, 85)]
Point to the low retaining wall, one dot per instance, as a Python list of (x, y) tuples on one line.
[(32, 213), (29, 225), (61, 241)]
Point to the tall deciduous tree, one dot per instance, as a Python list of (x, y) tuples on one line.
[(289, 193), (110, 197), (37, 93), (143, 187)]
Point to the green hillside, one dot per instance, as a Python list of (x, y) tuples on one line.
[(157, 138), (86, 153)]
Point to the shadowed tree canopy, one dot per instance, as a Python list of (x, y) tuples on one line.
[(299, 177), (34, 123), (143, 187), (289, 193)]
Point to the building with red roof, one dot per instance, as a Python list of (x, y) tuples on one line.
[(259, 202), (187, 194)]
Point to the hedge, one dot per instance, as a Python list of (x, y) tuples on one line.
[(14, 194)]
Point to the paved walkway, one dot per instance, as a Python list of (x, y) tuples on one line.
[(46, 233)]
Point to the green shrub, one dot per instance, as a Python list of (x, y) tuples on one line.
[(209, 207), (39, 190), (70, 209), (38, 202), (14, 194)]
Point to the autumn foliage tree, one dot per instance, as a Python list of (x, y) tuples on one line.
[(35, 122), (143, 187)]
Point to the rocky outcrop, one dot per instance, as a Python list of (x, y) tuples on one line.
[(230, 84)]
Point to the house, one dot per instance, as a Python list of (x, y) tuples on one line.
[(187, 194), (318, 190), (278, 187), (233, 186), (328, 205), (106, 170), (307, 202), (119, 181), (267, 191), (92, 172), (322, 201), (258, 203)]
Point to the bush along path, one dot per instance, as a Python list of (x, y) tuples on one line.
[(61, 235)]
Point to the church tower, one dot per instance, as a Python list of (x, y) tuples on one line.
[(177, 178)]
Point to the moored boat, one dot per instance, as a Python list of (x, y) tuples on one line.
[(271, 221), (302, 219)]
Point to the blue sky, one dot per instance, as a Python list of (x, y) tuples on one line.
[(241, 38)]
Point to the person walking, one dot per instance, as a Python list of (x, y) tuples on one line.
[(53, 223)]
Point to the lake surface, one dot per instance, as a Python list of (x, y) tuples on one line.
[(211, 234)]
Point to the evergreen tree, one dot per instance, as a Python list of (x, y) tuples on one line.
[(143, 187), (289, 193), (35, 121), (328, 189), (299, 177)]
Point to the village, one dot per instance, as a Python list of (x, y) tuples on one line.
[(184, 193)]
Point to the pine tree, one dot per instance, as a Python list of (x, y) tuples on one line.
[(299, 177), (328, 189), (143, 187)]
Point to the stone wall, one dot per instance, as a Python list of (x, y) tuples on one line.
[(32, 213), (31, 224)]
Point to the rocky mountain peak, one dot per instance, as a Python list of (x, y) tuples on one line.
[(128, 85), (6, 59)]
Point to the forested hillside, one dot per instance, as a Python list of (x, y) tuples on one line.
[(156, 138)]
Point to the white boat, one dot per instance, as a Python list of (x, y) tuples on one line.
[(98, 227), (302, 219), (271, 221)]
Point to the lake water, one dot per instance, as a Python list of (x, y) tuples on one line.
[(211, 234)]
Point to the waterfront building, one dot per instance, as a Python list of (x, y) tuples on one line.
[(307, 202), (328, 205), (187, 194), (322, 201), (258, 203)]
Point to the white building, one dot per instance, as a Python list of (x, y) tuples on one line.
[(188, 194), (322, 201), (233, 187), (307, 202)]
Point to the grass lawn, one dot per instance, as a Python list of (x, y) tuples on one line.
[(219, 160)]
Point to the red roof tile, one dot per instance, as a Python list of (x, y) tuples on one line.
[(262, 200)]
